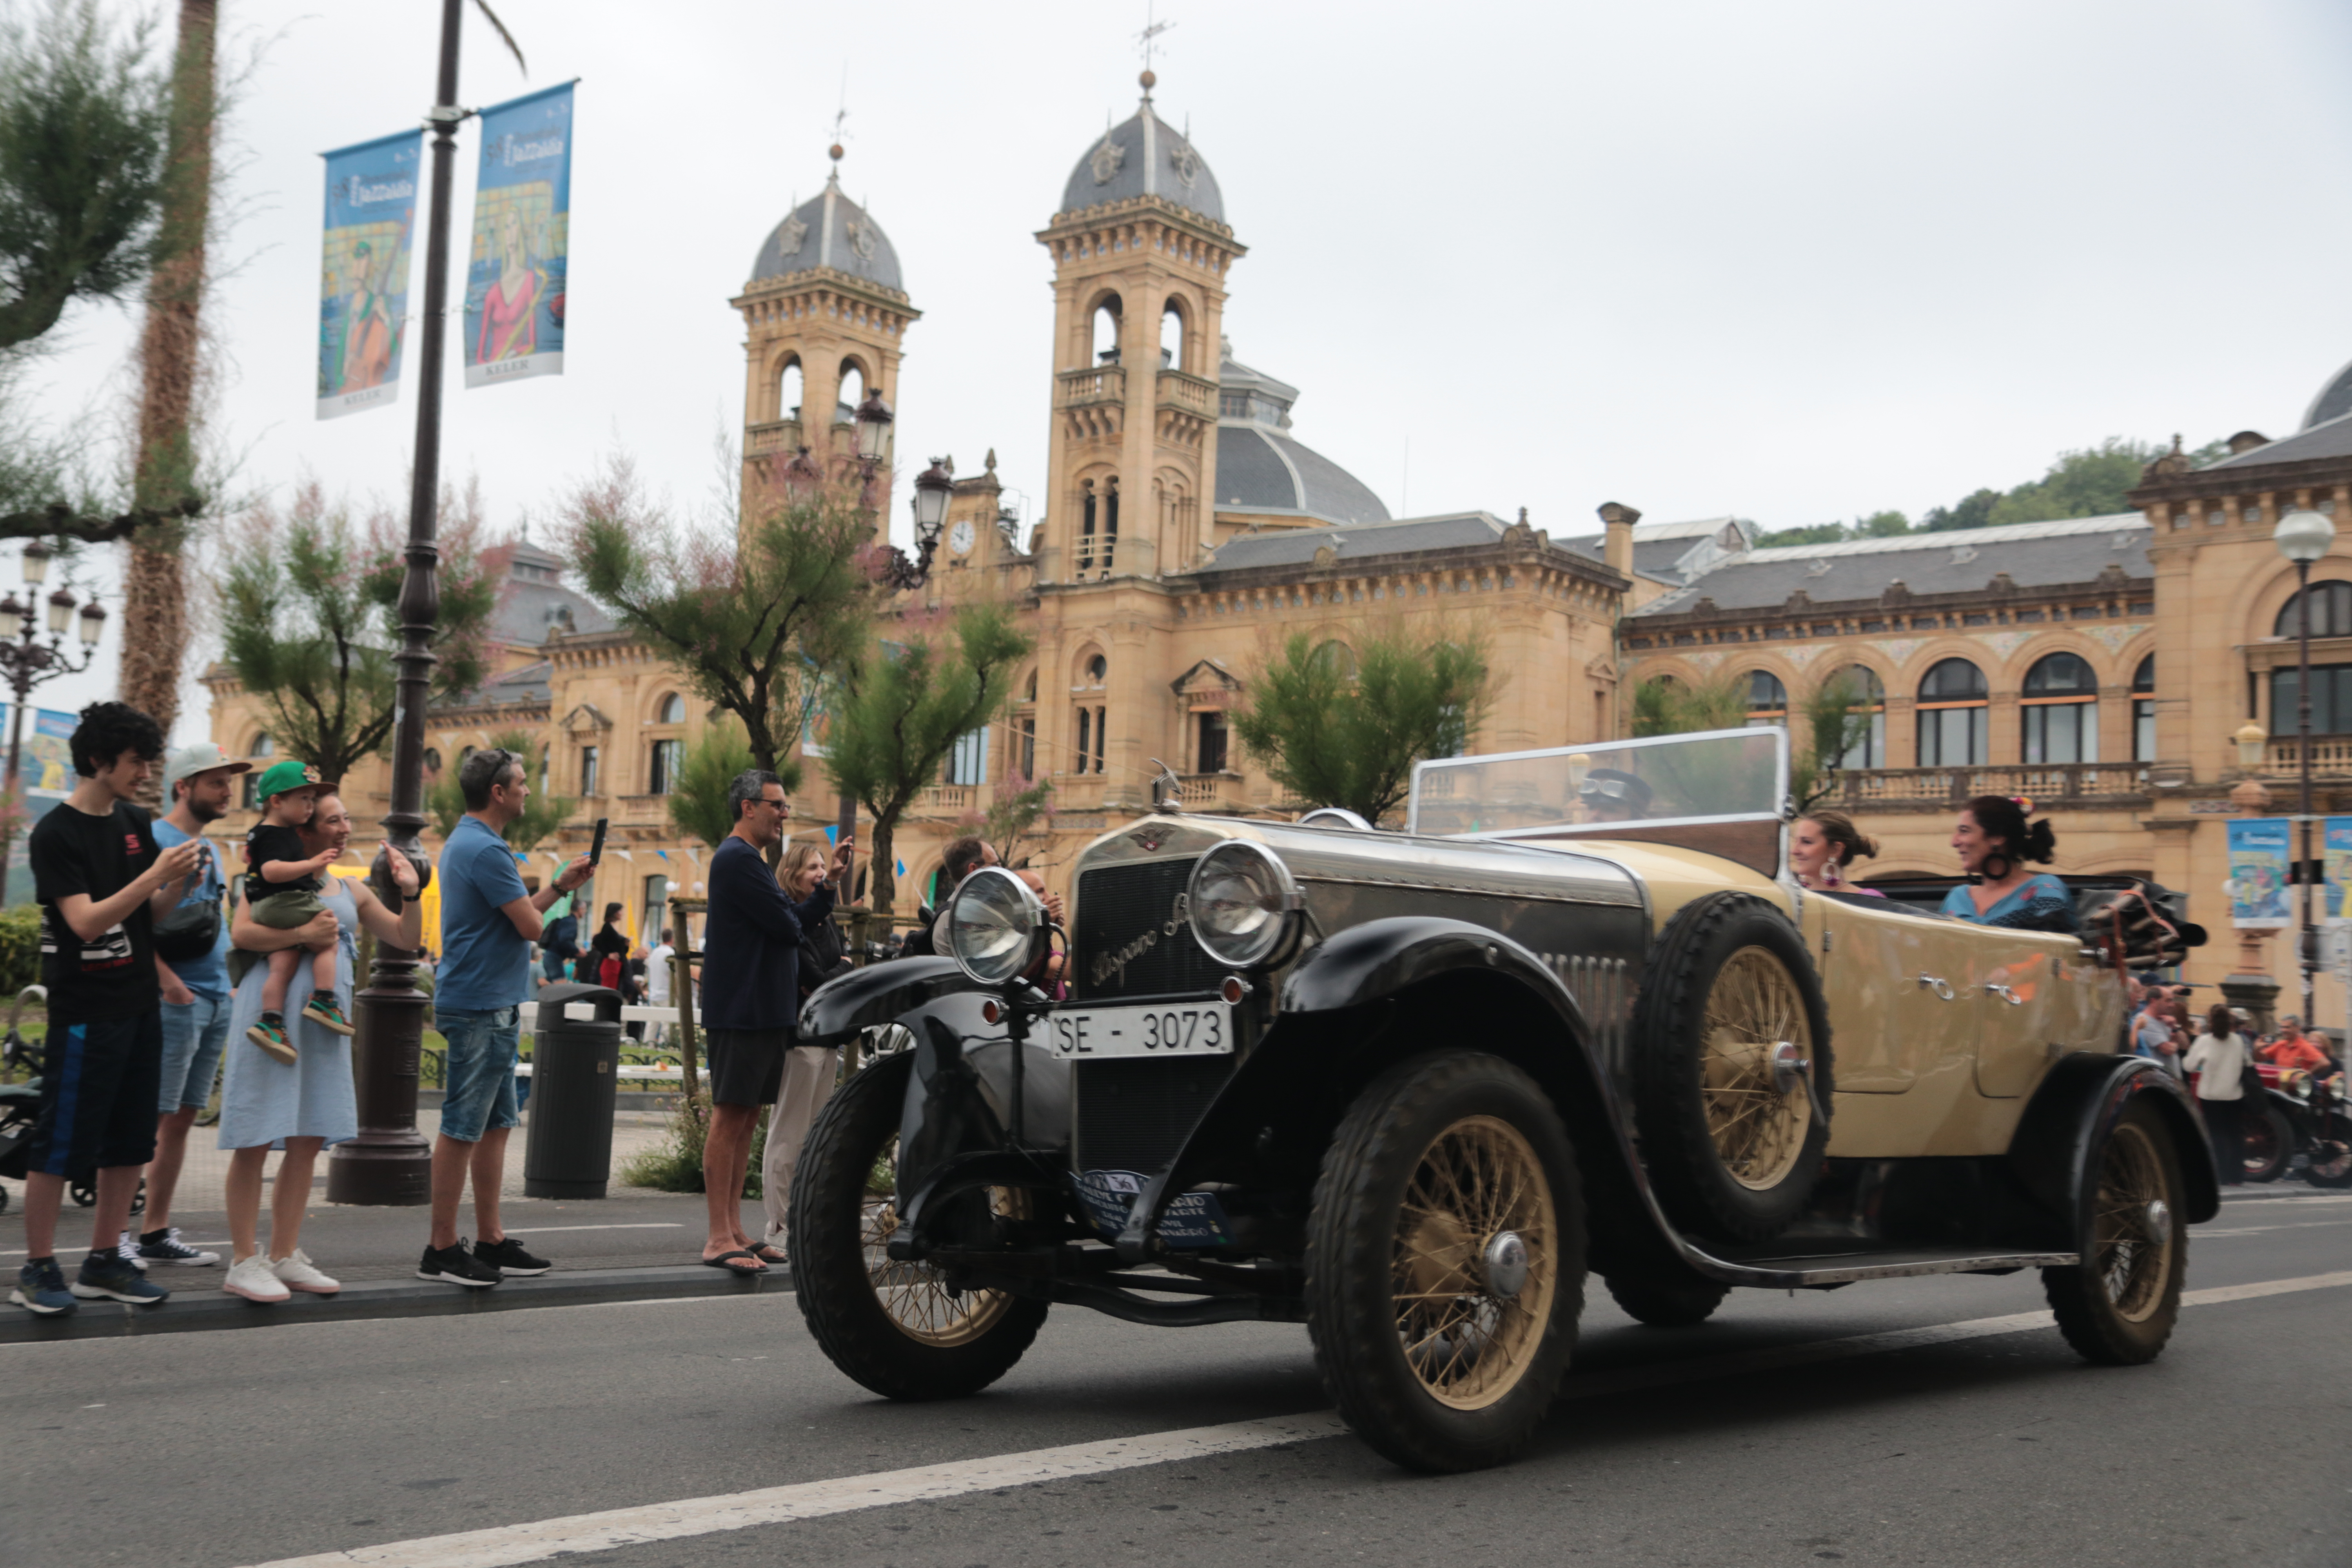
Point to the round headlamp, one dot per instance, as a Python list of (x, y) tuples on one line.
[(994, 925), (1244, 903)]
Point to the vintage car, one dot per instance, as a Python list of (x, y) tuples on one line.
[(1411, 1088)]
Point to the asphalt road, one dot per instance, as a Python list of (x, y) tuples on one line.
[(1670, 1447)]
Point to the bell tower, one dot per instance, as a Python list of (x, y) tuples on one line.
[(1140, 250), (825, 317)]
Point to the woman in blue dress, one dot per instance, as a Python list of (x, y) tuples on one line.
[(1995, 843), (302, 1106)]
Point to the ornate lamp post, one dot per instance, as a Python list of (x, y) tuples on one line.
[(934, 487), (28, 662), (2303, 537)]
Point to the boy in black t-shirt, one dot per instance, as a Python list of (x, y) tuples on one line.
[(100, 882), (281, 891)]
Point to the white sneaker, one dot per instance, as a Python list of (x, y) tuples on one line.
[(252, 1279), (296, 1272)]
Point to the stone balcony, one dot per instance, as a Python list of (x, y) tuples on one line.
[(783, 436), (2331, 758), (2047, 785), (1090, 385), (1193, 394)]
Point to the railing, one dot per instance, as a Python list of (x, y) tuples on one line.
[(1209, 792), (2331, 756), (1095, 384), (1191, 393), (1937, 789), (945, 798), (1078, 791), (776, 435)]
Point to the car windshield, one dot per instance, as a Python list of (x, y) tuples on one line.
[(1669, 778)]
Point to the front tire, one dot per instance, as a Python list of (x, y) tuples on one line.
[(1658, 1306), (1445, 1262), (896, 1328), (2117, 1306), (2269, 1143), (2331, 1153)]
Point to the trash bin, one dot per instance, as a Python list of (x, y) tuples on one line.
[(575, 1068)]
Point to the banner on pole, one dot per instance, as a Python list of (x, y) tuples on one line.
[(364, 274), (521, 247), (2258, 873)]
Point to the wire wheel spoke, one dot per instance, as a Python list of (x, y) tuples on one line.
[(1758, 1128), (914, 1295), (2132, 1264), (1476, 1179)]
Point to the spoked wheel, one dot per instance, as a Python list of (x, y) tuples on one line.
[(899, 1328), (2118, 1305), (1445, 1262), (2331, 1153), (2269, 1143)]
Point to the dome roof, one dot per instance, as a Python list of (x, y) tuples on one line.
[(2334, 402), (1261, 467), (830, 230), (1144, 157)]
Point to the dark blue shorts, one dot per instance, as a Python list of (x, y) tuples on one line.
[(98, 1084)]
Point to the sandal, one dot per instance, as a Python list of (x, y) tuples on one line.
[(768, 1252), (727, 1260)]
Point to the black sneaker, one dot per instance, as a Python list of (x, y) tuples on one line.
[(457, 1265), (509, 1258)]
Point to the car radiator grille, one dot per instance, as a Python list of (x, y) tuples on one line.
[(1135, 1115), (1123, 913)]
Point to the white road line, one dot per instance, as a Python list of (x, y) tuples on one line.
[(619, 1527), (2204, 1235)]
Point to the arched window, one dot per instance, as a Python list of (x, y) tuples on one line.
[(262, 746), (1094, 669), (2062, 710), (1339, 659), (432, 761), (1106, 331), (1868, 698), (1952, 702), (2331, 612), (788, 388), (853, 393), (2143, 701), (1171, 337), (672, 710), (1768, 700)]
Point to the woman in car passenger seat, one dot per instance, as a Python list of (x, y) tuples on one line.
[(1994, 843), (1821, 845)]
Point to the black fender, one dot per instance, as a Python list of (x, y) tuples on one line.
[(877, 994), (1374, 961), (952, 1125), (2070, 1114)]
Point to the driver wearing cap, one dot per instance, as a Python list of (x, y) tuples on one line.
[(1609, 795)]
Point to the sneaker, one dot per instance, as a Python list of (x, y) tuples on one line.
[(457, 1265), (166, 1247), (252, 1278), (270, 1034), (106, 1276), (296, 1272), (128, 1250), (509, 1258), (41, 1289), (322, 1009)]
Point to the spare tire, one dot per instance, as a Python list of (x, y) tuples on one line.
[(1732, 1135)]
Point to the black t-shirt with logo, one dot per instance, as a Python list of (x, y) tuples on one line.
[(112, 975), (275, 841)]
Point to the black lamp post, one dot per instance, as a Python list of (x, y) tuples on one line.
[(2303, 537), (28, 662)]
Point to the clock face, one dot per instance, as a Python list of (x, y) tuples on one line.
[(961, 536)]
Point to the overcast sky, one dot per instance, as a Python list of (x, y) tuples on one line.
[(1791, 262)]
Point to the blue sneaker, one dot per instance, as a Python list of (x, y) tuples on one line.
[(108, 1274), (41, 1288)]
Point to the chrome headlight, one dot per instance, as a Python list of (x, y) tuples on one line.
[(1244, 903), (994, 925)]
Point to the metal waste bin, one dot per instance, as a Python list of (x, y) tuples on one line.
[(575, 1068)]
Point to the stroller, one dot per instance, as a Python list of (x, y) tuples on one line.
[(20, 1107)]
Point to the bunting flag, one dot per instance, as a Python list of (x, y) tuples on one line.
[(364, 275), (832, 832), (523, 240), (902, 867)]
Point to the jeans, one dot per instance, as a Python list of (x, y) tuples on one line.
[(194, 1034), (481, 1079)]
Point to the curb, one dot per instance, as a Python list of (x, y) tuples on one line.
[(196, 1310)]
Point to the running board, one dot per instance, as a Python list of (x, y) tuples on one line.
[(1827, 1269)]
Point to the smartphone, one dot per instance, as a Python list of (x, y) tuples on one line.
[(596, 849)]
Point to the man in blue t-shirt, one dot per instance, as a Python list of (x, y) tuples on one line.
[(488, 922)]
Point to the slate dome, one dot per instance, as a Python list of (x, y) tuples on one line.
[(1146, 156), (830, 230)]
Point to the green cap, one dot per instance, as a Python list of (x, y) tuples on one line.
[(283, 776)]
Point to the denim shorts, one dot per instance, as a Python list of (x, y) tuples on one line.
[(482, 1077), (193, 1036)]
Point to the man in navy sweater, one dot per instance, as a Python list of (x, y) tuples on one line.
[(750, 1003)]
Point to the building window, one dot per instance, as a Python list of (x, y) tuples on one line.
[(1768, 700), (2062, 710), (1024, 745), (2331, 612), (2331, 698), (1952, 703), (672, 710), (1091, 739), (2143, 695), (1209, 748), (432, 761), (668, 759), (588, 771), (1870, 696), (968, 758), (656, 909)]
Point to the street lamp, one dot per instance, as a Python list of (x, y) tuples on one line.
[(26, 662), (873, 418), (934, 487), (2303, 537)]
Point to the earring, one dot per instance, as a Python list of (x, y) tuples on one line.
[(1830, 877)]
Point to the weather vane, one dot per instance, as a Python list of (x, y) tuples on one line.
[(1151, 31)]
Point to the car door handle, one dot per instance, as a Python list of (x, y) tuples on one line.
[(1942, 988), (2006, 995)]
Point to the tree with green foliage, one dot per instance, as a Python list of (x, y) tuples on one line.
[(310, 620), (899, 708), (697, 803), (444, 803), (751, 610), (1020, 804), (1341, 727)]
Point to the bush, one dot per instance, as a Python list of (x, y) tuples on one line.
[(676, 1165), (20, 949)]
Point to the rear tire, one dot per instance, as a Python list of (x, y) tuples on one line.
[(1668, 1305), (893, 1327), (2331, 1153), (1440, 1342), (2269, 1143), (2117, 1306)]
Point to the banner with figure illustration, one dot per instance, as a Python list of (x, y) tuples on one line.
[(364, 275), (2336, 855), (2258, 873), (523, 240)]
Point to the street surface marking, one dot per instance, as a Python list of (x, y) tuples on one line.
[(612, 1528), (2265, 1230)]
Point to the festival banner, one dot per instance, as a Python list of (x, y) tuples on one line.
[(363, 277), (2258, 873), (521, 249), (2335, 854)]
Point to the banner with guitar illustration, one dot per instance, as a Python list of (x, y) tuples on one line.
[(521, 247)]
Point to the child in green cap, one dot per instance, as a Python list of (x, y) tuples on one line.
[(281, 891)]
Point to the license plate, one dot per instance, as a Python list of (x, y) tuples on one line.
[(1172, 1029)]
